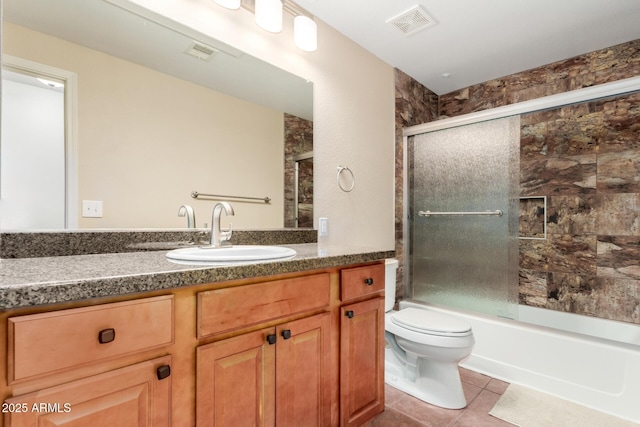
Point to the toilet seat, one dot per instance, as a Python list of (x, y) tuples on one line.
[(430, 323)]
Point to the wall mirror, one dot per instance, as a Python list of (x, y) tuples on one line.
[(158, 111)]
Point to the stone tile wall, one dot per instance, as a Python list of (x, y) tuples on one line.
[(602, 66), (586, 160)]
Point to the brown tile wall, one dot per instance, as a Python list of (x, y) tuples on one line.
[(586, 160), (602, 66)]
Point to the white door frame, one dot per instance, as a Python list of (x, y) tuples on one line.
[(70, 126)]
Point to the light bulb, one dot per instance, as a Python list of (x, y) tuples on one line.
[(269, 15), (305, 33)]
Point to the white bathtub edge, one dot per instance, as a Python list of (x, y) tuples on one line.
[(495, 355)]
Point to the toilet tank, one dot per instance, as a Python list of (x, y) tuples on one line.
[(391, 265)]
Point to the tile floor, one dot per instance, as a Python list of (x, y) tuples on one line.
[(481, 391)]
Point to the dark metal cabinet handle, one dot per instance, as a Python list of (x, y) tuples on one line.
[(368, 281), (163, 372), (349, 314), (106, 335), (271, 339), (286, 334)]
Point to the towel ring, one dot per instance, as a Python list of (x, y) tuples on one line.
[(353, 178)]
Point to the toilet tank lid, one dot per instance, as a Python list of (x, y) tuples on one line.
[(430, 321)]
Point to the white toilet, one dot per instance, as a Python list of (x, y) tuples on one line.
[(423, 350)]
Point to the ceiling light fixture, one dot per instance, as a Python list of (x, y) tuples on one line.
[(269, 16), (229, 4), (305, 33)]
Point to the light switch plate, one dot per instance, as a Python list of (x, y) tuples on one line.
[(323, 227)]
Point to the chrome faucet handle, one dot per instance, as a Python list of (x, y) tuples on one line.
[(225, 235)]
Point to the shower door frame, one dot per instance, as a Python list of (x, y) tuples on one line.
[(604, 90)]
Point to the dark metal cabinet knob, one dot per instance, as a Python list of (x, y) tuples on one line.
[(271, 339), (286, 334), (368, 281), (349, 314), (106, 335), (163, 371)]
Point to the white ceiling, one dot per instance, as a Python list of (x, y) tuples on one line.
[(159, 43), (473, 40), (479, 40)]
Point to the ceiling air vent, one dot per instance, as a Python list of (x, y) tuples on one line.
[(201, 51), (413, 20)]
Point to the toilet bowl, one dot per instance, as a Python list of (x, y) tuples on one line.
[(423, 350)]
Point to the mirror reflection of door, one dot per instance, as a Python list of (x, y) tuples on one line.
[(304, 190), (32, 152)]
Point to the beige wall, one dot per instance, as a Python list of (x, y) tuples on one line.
[(142, 150), (353, 114)]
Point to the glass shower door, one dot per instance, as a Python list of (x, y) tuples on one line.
[(463, 253)]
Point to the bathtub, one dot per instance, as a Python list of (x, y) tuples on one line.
[(593, 371)]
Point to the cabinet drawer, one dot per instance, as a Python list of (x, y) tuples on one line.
[(136, 395), (49, 342), (228, 309), (361, 281)]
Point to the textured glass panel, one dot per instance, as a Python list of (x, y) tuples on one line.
[(466, 261)]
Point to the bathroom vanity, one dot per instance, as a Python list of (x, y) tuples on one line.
[(133, 339)]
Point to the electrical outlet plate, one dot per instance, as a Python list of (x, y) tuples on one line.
[(91, 209)]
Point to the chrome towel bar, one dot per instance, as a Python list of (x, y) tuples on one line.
[(429, 213), (196, 195)]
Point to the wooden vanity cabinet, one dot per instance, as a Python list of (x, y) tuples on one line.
[(274, 376), (59, 347), (52, 342), (137, 395), (303, 370), (361, 344), (295, 349)]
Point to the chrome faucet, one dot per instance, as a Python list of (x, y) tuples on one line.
[(186, 210), (218, 237)]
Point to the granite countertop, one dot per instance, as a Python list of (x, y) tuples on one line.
[(49, 280)]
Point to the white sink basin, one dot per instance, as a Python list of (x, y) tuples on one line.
[(230, 254)]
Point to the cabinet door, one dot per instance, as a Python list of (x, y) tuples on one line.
[(361, 361), (303, 360), (128, 397), (235, 381)]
